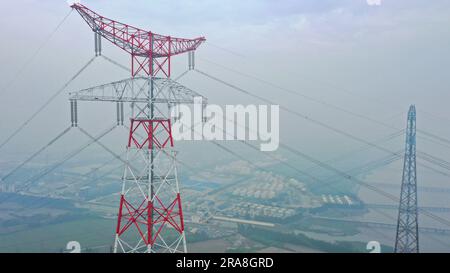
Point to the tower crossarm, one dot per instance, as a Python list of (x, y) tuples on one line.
[(135, 41), (135, 90)]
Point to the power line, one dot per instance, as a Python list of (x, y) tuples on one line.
[(34, 55), (221, 146), (27, 183), (319, 101), (362, 148), (324, 165), (230, 151), (287, 90), (115, 63), (434, 160), (118, 157), (71, 155), (439, 138), (36, 153), (94, 139), (303, 95), (363, 169), (335, 86), (298, 114), (42, 107), (226, 50)]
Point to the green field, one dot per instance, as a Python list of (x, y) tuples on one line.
[(94, 234)]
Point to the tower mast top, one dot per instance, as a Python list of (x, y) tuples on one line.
[(150, 52)]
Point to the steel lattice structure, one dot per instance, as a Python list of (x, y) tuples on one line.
[(407, 238), (150, 217), (150, 52)]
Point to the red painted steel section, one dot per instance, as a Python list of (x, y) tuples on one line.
[(142, 134), (141, 217), (150, 52), (150, 214)]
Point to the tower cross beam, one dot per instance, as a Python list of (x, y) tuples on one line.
[(147, 49)]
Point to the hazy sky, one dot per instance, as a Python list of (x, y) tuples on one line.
[(374, 60)]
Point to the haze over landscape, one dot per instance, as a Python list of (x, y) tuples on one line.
[(349, 69)]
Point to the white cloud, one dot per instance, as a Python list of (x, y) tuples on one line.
[(373, 2)]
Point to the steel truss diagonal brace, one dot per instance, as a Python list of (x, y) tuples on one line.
[(150, 52), (135, 90)]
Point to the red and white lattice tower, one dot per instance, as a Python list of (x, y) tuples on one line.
[(150, 217)]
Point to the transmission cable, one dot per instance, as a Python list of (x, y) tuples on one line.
[(35, 178), (307, 118), (317, 162), (40, 109), (34, 55), (322, 102), (36, 153), (331, 168)]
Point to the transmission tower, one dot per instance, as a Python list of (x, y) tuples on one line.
[(407, 239), (150, 217)]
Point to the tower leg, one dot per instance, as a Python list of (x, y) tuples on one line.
[(150, 217)]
